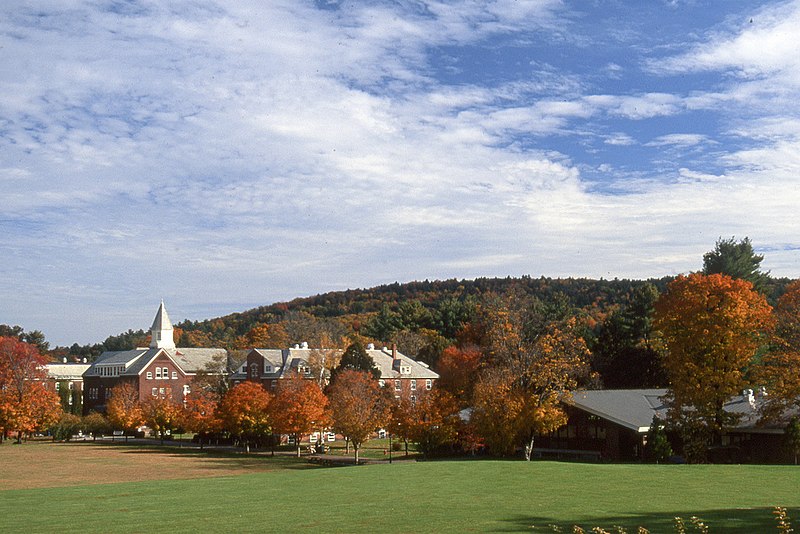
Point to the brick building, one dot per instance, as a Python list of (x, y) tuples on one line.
[(158, 370)]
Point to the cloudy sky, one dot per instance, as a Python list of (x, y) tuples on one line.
[(224, 155)]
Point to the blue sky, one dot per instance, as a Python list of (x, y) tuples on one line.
[(224, 155)]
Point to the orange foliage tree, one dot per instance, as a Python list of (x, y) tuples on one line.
[(531, 371), (712, 326), (25, 404), (436, 422), (201, 412), (162, 414), (358, 406), (265, 336), (402, 416), (123, 409), (299, 407), (779, 370), (245, 413)]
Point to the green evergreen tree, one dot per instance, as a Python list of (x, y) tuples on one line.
[(737, 260), (657, 449)]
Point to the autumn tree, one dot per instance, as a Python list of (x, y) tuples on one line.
[(162, 414), (245, 413), (299, 407), (779, 369), (266, 336), (201, 412), (25, 404), (712, 326), (358, 406), (458, 372), (532, 369), (436, 421), (123, 409), (737, 260), (402, 419)]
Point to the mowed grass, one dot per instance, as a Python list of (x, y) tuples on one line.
[(446, 496)]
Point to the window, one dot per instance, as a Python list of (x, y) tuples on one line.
[(381, 382), (149, 375), (186, 389), (165, 373), (267, 368), (155, 392), (397, 386), (413, 400), (158, 373), (413, 385), (58, 386), (174, 375), (161, 391), (428, 383), (253, 370)]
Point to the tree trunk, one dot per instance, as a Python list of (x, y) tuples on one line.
[(355, 450), (247, 447), (297, 443), (529, 449), (347, 445)]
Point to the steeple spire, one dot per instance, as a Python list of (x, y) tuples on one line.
[(161, 331)]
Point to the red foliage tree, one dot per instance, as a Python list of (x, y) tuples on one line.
[(458, 372), (25, 404), (299, 407)]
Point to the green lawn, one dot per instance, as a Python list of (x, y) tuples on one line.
[(447, 496)]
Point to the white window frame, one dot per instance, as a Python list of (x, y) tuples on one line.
[(149, 375), (398, 386), (174, 375), (413, 384), (428, 384), (158, 373)]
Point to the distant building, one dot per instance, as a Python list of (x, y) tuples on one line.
[(160, 370), (66, 379), (406, 376), (612, 424)]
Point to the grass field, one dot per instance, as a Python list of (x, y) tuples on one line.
[(182, 491)]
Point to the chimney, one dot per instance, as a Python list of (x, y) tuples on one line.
[(394, 351)]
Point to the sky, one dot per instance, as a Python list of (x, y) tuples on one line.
[(226, 155)]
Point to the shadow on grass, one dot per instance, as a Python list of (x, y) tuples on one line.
[(215, 458), (735, 520)]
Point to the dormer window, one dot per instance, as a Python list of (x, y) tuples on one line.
[(405, 369), (267, 368), (253, 370)]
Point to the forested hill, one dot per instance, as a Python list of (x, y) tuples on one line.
[(422, 316), (580, 293)]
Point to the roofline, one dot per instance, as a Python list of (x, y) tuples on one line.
[(640, 429)]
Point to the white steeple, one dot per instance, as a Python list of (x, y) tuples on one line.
[(161, 331)]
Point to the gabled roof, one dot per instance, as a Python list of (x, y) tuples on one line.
[(631, 408), (635, 408), (385, 363), (188, 360), (285, 360), (66, 371)]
